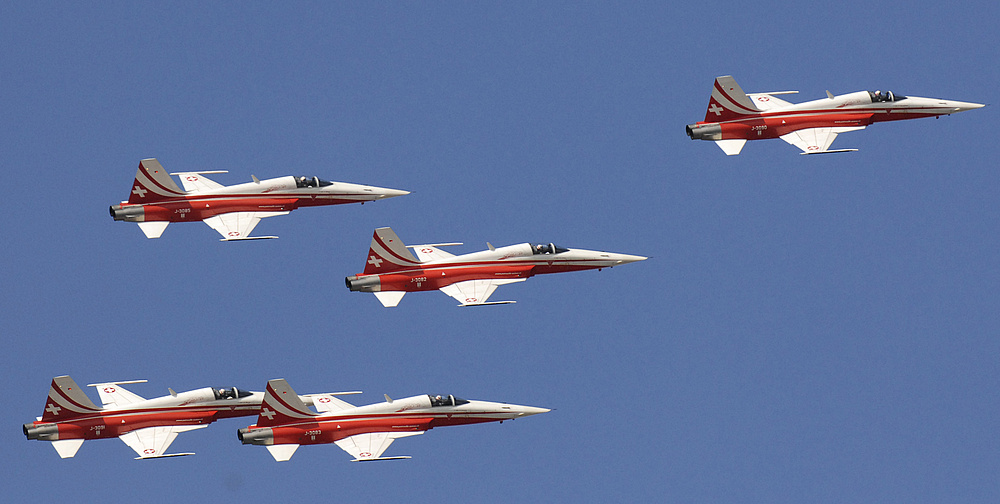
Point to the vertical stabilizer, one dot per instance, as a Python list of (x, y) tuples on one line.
[(282, 405), (66, 400), (153, 183), (728, 101), (388, 253)]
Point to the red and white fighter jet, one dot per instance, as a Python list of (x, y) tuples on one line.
[(365, 432), (734, 117), (392, 271), (233, 211), (148, 426)]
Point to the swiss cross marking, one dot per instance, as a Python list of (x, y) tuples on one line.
[(374, 261), (109, 390), (149, 451), (323, 399), (716, 109), (139, 191), (52, 408), (364, 455), (267, 413)]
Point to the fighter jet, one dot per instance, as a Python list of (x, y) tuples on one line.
[(233, 211), (734, 117), (392, 271), (362, 431), (148, 426)]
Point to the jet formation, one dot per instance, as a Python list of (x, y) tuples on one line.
[(149, 426), (391, 270), (733, 117), (233, 211)]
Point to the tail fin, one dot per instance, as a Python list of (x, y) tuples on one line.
[(728, 101), (282, 405), (66, 401), (153, 183), (387, 253)]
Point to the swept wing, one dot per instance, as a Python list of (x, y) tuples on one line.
[(152, 442), (197, 182), (431, 252), (364, 447), (113, 395), (238, 225), (767, 101), (476, 292), (817, 140)]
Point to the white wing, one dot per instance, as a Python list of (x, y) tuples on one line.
[(476, 292), (817, 140), (196, 182), (152, 442), (326, 402), (370, 446), (765, 101), (112, 394), (238, 225), (429, 253)]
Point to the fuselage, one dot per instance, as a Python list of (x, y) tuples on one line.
[(196, 407), (412, 414), (282, 194), (851, 110), (503, 263)]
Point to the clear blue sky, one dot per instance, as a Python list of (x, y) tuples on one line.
[(809, 329)]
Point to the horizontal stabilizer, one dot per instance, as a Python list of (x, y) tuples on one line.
[(153, 229), (282, 452), (389, 299), (731, 147), (381, 458), (488, 303), (67, 448)]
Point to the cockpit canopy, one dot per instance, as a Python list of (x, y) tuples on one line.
[(446, 400), (301, 182), (230, 393), (547, 248), (884, 96)]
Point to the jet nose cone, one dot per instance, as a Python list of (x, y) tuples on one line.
[(626, 258), (523, 411), (963, 106), (390, 193)]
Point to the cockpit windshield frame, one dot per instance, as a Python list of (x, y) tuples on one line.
[(547, 248), (879, 96), (304, 182), (446, 400), (230, 393)]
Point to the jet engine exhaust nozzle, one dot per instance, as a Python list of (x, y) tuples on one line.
[(44, 432), (704, 131), (131, 213), (262, 436), (369, 283)]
